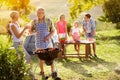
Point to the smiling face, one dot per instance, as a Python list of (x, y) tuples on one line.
[(62, 18), (76, 24), (87, 17), (14, 16), (40, 13)]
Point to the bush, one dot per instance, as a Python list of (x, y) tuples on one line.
[(118, 25), (69, 26), (12, 68), (112, 11)]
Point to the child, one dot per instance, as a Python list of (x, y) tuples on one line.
[(61, 27), (75, 32)]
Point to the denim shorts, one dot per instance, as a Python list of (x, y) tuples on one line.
[(89, 35)]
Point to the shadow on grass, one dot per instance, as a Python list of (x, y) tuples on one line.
[(78, 66), (106, 38)]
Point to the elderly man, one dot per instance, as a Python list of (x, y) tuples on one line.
[(44, 30), (89, 28)]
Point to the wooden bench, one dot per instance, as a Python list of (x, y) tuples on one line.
[(63, 53)]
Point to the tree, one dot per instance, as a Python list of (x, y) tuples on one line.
[(78, 6), (22, 6), (111, 9)]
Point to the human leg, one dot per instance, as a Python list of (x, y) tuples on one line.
[(78, 48), (75, 47), (41, 67), (53, 67), (94, 49)]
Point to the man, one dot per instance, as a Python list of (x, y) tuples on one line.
[(44, 30), (89, 27)]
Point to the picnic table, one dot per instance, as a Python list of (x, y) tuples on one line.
[(87, 43)]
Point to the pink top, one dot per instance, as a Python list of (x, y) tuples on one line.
[(61, 26)]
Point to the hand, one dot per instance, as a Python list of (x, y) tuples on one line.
[(85, 33), (46, 39), (26, 27)]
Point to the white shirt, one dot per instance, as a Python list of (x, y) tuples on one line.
[(15, 39), (77, 30)]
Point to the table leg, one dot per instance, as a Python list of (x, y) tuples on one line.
[(87, 51), (62, 53)]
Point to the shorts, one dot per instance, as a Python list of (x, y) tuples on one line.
[(89, 35)]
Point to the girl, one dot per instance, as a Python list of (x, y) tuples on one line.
[(75, 32), (61, 27)]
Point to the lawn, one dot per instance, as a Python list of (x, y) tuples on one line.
[(102, 68)]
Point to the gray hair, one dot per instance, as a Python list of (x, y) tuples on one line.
[(40, 8)]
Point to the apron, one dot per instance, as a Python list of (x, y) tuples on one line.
[(41, 33)]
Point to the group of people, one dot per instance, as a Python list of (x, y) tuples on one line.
[(44, 31), (88, 26)]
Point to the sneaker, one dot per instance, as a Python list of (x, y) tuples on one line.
[(95, 55), (54, 74), (90, 55)]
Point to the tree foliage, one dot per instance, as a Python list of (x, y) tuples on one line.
[(22, 6), (78, 6), (111, 9), (12, 68)]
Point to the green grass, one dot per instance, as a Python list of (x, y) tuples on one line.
[(108, 46), (103, 68)]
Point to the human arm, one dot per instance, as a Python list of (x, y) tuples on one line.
[(32, 27), (51, 30), (84, 30), (16, 32), (93, 27), (83, 27), (71, 31)]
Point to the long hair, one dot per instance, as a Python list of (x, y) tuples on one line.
[(8, 31), (60, 16)]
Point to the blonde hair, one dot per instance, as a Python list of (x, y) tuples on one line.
[(75, 22), (13, 14), (61, 15)]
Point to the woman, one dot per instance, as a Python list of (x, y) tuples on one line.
[(61, 27), (14, 29)]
